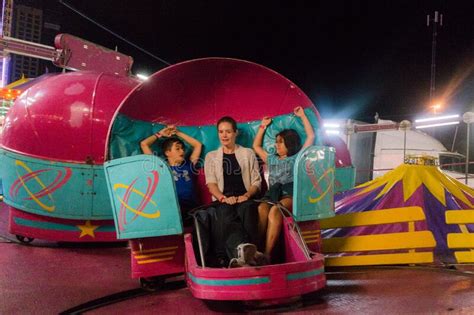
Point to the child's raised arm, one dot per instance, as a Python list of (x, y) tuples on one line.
[(145, 145), (299, 111), (197, 146), (257, 142)]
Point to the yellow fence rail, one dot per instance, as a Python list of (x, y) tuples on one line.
[(464, 239), (409, 241)]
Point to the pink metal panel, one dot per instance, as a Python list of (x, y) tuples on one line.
[(199, 92), (311, 235), (156, 256), (79, 54), (65, 117), (39, 226), (229, 283), (24, 48), (375, 127)]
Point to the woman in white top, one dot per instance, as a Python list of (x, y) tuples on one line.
[(232, 177)]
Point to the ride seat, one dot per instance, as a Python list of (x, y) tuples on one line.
[(127, 133)]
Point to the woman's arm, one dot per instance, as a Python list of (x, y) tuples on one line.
[(257, 142), (249, 194), (145, 145), (255, 178), (197, 146), (299, 111), (215, 191)]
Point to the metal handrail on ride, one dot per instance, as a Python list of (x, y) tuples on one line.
[(193, 213), (198, 233), (283, 210)]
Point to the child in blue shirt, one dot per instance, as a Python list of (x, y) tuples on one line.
[(183, 170), (280, 169)]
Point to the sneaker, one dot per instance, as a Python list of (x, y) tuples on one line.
[(246, 253)]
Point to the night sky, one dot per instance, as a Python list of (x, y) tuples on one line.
[(352, 58)]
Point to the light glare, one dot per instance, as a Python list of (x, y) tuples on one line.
[(436, 118), (142, 76), (331, 125), (437, 125)]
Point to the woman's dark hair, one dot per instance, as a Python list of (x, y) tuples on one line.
[(168, 143), (229, 120), (292, 141)]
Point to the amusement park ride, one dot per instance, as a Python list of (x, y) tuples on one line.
[(73, 171)]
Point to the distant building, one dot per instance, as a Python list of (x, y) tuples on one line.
[(28, 20), (6, 29), (27, 25)]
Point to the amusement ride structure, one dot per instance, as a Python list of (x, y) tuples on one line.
[(71, 163)]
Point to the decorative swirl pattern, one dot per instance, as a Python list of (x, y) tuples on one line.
[(62, 177), (312, 169), (152, 183)]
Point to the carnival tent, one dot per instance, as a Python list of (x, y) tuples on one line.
[(425, 186)]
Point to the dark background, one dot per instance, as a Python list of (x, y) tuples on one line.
[(352, 58)]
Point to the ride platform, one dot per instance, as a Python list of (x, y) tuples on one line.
[(50, 278)]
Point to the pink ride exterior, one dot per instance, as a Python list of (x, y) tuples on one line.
[(61, 123), (198, 93), (68, 120)]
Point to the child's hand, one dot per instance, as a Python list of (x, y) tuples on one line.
[(267, 120), (165, 132), (168, 131), (173, 129), (299, 111)]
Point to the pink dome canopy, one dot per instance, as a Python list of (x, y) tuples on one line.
[(65, 117), (199, 92)]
